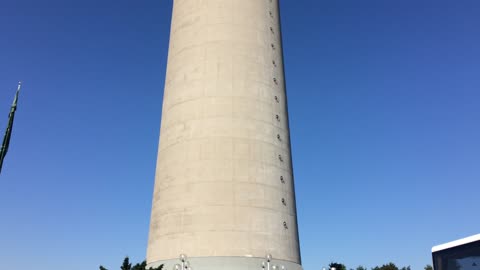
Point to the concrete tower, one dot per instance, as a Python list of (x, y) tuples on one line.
[(224, 192)]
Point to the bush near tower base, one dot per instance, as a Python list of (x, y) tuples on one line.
[(126, 265), (337, 266), (388, 266)]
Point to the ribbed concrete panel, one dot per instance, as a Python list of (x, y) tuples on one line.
[(224, 190)]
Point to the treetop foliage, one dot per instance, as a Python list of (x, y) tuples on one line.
[(126, 265), (337, 266), (388, 266)]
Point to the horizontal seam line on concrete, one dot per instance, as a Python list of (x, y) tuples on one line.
[(286, 168), (203, 231), (291, 210), (290, 192), (269, 101), (286, 149), (230, 117), (266, 30)]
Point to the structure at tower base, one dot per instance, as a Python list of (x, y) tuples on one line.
[(459, 254), (224, 191)]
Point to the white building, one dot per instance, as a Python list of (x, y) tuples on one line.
[(462, 254)]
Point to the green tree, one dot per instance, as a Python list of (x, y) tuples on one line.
[(337, 266), (361, 268), (428, 267), (126, 264), (140, 266), (158, 268), (405, 268), (389, 266), (143, 266)]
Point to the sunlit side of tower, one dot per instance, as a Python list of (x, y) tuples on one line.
[(224, 192)]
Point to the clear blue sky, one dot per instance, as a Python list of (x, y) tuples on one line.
[(385, 125)]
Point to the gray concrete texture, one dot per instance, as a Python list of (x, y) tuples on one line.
[(228, 263), (224, 182)]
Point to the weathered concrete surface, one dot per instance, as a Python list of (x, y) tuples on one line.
[(227, 263), (224, 184)]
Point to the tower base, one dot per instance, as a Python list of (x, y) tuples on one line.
[(227, 263)]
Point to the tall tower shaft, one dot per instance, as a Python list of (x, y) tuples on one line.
[(224, 192)]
